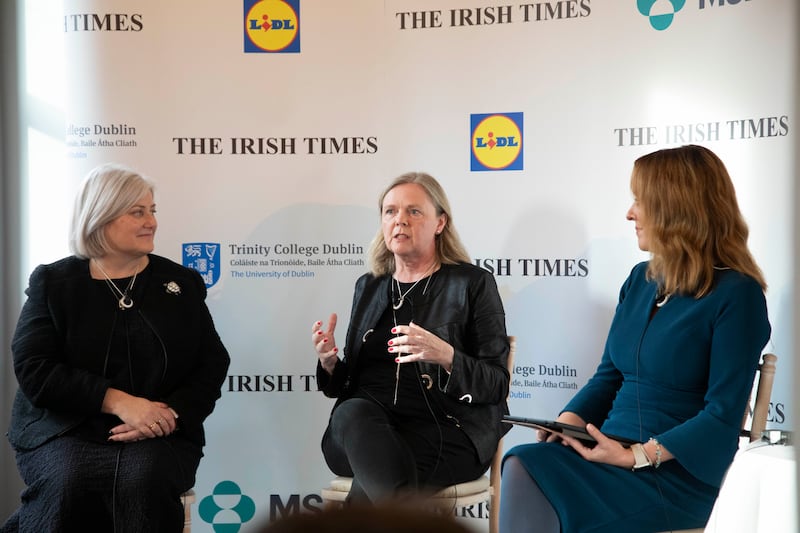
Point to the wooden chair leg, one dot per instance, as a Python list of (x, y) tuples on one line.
[(187, 499)]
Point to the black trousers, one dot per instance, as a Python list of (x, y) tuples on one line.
[(74, 485), (389, 458)]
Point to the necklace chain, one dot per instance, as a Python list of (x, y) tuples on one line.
[(125, 300), (403, 295), (397, 370), (397, 306), (663, 298)]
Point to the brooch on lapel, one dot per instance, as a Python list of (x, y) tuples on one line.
[(172, 288)]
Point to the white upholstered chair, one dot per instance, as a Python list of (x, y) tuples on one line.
[(484, 489)]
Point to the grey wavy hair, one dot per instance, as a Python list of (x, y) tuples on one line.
[(107, 192)]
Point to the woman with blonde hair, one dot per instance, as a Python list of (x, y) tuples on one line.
[(422, 384), (675, 375)]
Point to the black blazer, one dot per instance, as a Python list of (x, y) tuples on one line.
[(464, 309), (60, 345)]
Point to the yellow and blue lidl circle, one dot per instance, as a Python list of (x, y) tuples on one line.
[(496, 141), (272, 26)]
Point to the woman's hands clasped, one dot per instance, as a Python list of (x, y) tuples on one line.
[(414, 343), (141, 418)]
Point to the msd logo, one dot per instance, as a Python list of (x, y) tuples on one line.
[(226, 508), (661, 13)]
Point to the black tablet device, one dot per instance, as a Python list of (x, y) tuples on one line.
[(576, 432)]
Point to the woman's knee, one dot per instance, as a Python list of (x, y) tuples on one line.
[(354, 413), (512, 466), (515, 478), (154, 466), (62, 480)]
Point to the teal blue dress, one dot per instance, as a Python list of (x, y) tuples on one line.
[(683, 376)]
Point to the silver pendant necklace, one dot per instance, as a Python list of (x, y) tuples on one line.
[(125, 301), (403, 295), (395, 307)]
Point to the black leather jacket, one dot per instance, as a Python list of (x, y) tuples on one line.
[(464, 309)]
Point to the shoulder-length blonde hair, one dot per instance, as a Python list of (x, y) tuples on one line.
[(107, 192), (449, 249), (693, 219)]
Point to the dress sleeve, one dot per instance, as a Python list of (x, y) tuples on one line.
[(706, 443)]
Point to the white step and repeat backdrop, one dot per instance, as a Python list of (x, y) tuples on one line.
[(272, 126)]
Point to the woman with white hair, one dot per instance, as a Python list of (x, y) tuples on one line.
[(118, 364)]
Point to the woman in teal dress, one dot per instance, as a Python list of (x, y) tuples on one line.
[(675, 375)]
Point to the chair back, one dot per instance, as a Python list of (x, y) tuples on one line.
[(765, 376), (494, 470)]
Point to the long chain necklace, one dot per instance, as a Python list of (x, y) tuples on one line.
[(125, 300), (395, 307), (402, 299), (397, 370)]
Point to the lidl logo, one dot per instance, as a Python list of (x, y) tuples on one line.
[(203, 257), (272, 26), (660, 12), (226, 509), (496, 141)]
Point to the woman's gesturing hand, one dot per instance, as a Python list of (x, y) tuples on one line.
[(325, 344), (420, 344)]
